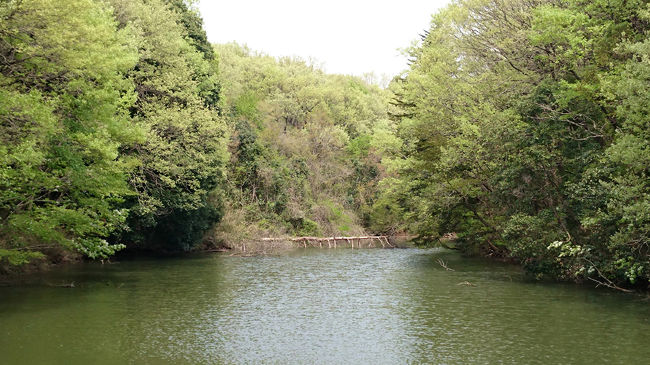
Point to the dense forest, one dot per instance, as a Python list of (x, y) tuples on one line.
[(123, 128), (519, 131), (301, 160), (523, 128)]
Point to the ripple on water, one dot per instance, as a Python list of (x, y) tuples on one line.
[(317, 306)]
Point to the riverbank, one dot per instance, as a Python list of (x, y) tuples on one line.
[(262, 246), (12, 276), (272, 245)]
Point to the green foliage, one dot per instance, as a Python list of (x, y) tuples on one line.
[(181, 160), (523, 128), (307, 227), (191, 20), (301, 156), (63, 119), (109, 128)]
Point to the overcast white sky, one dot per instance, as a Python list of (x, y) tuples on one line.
[(350, 37)]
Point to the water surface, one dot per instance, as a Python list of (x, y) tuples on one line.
[(316, 306)]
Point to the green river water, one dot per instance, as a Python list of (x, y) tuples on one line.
[(316, 307)]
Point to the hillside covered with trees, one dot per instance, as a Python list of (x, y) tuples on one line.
[(122, 128), (301, 156), (521, 128)]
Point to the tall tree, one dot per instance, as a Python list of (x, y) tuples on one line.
[(183, 154), (63, 119)]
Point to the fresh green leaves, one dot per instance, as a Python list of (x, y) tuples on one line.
[(108, 126), (301, 156), (524, 130), (63, 95)]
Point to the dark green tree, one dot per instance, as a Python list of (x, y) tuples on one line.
[(183, 154), (518, 121)]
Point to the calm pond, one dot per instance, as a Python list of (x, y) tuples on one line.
[(316, 306)]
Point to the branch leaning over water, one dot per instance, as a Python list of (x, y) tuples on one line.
[(608, 283)]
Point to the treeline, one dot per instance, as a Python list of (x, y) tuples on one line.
[(523, 126), (301, 161), (122, 128), (110, 134)]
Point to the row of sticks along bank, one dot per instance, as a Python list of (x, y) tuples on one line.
[(331, 242)]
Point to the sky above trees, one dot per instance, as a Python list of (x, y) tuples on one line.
[(343, 36)]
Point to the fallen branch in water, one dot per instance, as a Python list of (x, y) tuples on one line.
[(333, 240), (466, 283), (444, 264), (70, 285)]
